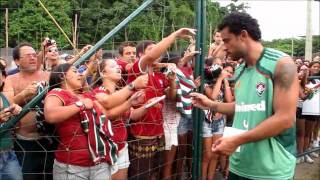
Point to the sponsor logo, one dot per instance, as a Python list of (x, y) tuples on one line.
[(260, 88), (251, 107)]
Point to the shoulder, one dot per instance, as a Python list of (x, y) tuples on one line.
[(270, 60), (273, 53), (59, 92), (12, 77), (100, 89), (285, 72)]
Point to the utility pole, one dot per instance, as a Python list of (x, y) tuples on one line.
[(7, 34), (308, 47), (75, 27), (292, 47)]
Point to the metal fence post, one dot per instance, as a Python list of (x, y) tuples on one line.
[(198, 115)]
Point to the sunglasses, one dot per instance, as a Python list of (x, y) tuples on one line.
[(53, 50)]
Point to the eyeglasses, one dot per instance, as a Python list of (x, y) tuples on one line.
[(53, 50), (29, 55)]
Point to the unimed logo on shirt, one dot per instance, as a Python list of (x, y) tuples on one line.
[(251, 107)]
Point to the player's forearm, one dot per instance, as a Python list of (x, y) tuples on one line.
[(223, 108), (270, 127)]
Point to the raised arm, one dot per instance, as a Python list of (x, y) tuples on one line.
[(162, 46)]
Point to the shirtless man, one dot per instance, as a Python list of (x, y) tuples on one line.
[(20, 88)]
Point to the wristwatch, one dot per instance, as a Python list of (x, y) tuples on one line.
[(80, 105), (131, 86)]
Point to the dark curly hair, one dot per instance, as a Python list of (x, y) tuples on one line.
[(237, 21)]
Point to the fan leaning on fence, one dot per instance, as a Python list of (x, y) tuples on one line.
[(87, 147), (34, 152)]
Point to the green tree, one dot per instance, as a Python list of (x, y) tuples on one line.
[(294, 46), (30, 23)]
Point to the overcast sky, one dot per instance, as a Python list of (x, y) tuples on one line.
[(281, 19)]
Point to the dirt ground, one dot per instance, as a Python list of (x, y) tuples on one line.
[(307, 171), (303, 171)]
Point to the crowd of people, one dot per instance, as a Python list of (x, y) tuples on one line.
[(128, 115)]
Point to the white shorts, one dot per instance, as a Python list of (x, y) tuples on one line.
[(122, 161), (72, 172), (170, 135)]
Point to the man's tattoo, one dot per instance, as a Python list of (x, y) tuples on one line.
[(286, 75)]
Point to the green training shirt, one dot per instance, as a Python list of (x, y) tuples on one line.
[(272, 158)]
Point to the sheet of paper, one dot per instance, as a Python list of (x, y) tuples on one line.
[(230, 131)]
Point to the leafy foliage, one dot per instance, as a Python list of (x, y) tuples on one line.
[(29, 22), (295, 47)]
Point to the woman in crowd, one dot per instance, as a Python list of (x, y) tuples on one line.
[(106, 80), (214, 123), (80, 154), (301, 128), (312, 121), (315, 71), (73, 160)]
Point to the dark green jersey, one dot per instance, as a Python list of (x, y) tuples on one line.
[(271, 158)]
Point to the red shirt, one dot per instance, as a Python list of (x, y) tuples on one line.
[(122, 64), (73, 147), (118, 125), (152, 123)]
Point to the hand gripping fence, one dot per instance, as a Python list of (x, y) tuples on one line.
[(37, 99)]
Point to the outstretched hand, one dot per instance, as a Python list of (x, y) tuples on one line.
[(185, 33), (201, 101), (226, 145)]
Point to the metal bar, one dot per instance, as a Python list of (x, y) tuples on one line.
[(313, 77), (40, 96), (112, 32), (308, 152), (198, 115)]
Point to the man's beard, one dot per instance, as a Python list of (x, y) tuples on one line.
[(236, 55)]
